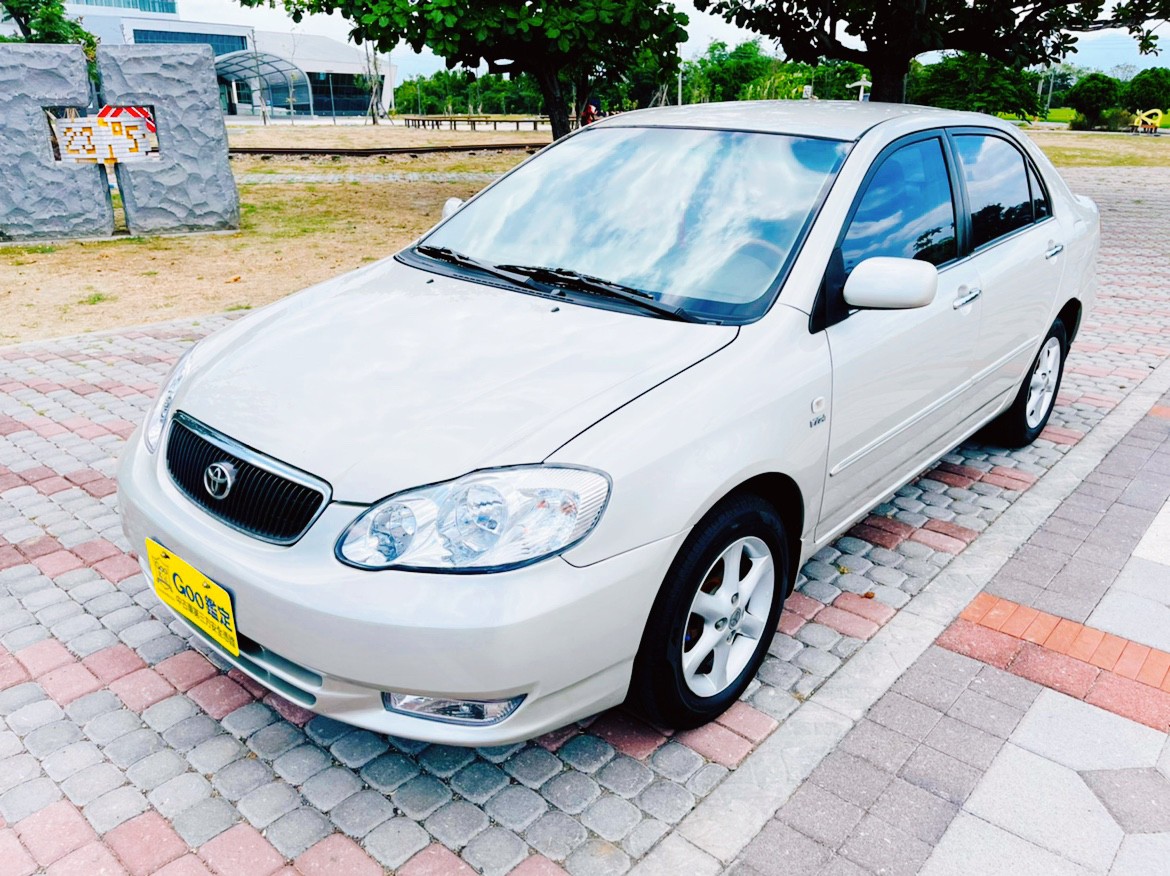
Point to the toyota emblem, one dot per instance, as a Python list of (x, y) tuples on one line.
[(218, 479)]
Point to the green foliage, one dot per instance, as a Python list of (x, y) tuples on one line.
[(461, 91), (1149, 89), (969, 81), (1092, 95), (553, 40), (45, 21), (1015, 32)]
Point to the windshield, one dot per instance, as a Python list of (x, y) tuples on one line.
[(703, 220)]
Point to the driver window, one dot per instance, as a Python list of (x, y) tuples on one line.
[(906, 211)]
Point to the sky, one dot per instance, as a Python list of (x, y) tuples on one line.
[(1101, 51)]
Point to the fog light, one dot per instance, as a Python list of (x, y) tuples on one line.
[(480, 712)]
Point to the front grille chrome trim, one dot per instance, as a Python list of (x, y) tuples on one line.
[(259, 460)]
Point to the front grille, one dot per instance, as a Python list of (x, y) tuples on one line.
[(267, 500)]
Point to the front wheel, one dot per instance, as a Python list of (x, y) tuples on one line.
[(1022, 423), (714, 617)]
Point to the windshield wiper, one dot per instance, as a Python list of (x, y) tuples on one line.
[(578, 282), (446, 254)]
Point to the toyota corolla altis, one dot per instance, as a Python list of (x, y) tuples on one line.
[(570, 448)]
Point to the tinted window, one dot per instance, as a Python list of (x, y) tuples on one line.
[(997, 185), (906, 211), (1041, 209)]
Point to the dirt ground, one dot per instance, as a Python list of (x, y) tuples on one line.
[(352, 136), (296, 232)]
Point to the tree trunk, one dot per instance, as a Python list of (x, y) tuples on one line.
[(554, 99), (889, 78)]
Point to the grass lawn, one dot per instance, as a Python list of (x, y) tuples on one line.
[(297, 233)]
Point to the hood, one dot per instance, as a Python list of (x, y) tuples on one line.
[(392, 377)]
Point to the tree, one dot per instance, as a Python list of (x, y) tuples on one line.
[(550, 39), (45, 21), (1016, 32), (968, 81), (1094, 94), (1149, 89)]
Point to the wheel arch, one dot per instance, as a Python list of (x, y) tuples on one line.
[(1070, 316), (784, 494)]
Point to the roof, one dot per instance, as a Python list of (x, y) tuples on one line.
[(317, 54), (831, 119)]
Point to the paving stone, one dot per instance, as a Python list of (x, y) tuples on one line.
[(325, 731), (676, 762), (597, 858), (213, 754), (131, 748), (611, 817), (516, 807), (666, 801), (991, 716), (445, 760), (644, 837), (156, 769), (555, 835), (533, 766), (389, 772), (63, 763), (179, 793), (49, 738), (421, 796), (495, 851), (928, 689), (780, 849), (241, 777), (904, 715), (586, 753), (36, 714), (396, 841), (108, 726), (112, 808), (247, 719), (297, 831), (83, 787), (883, 848), (301, 763), (329, 787), (964, 742), (479, 782), (818, 636), (940, 774), (456, 823), (26, 798), (274, 740), (571, 791), (1138, 799), (625, 776), (165, 714), (18, 768), (914, 810), (820, 814), (360, 813), (267, 803), (357, 749), (706, 779), (851, 778), (88, 707)]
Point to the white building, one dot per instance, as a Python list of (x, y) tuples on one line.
[(258, 71)]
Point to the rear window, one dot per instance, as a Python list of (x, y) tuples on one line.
[(997, 186)]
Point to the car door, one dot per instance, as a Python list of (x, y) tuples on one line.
[(1017, 248), (898, 375)]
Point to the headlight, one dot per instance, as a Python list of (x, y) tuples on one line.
[(486, 521), (160, 412)]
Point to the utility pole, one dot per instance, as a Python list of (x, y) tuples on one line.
[(680, 80)]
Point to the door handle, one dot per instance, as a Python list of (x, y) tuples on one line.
[(964, 300), (1054, 251)]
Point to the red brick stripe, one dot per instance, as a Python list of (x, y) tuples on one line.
[(1119, 675)]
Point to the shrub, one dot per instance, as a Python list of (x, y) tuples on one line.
[(1094, 94)]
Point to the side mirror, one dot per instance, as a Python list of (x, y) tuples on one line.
[(451, 207), (883, 283)]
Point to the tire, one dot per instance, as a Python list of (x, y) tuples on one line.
[(673, 685), (1022, 423)]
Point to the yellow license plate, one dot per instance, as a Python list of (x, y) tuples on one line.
[(195, 596)]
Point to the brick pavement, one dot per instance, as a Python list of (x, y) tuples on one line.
[(147, 754)]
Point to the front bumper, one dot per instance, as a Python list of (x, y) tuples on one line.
[(333, 638)]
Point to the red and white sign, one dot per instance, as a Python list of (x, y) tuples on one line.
[(138, 112)]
